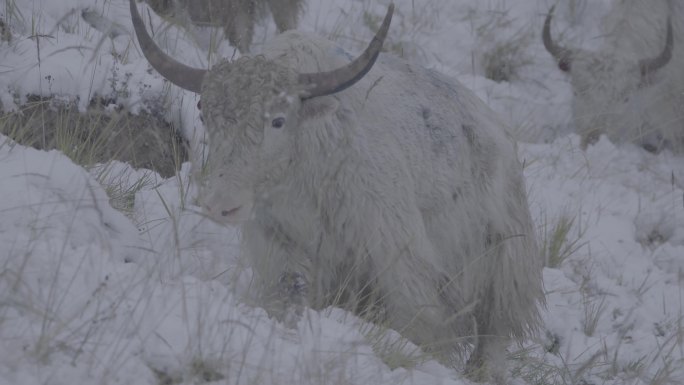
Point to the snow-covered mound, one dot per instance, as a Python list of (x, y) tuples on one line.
[(86, 297), (615, 304)]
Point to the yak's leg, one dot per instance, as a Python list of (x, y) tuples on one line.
[(239, 28), (285, 13), (282, 288), (389, 238), (488, 360)]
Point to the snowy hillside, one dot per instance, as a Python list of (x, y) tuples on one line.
[(110, 275)]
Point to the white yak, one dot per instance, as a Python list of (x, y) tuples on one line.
[(377, 186), (632, 89)]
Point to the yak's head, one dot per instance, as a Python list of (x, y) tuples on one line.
[(605, 84), (252, 108)]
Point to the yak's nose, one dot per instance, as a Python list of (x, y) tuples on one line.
[(230, 212), (226, 215)]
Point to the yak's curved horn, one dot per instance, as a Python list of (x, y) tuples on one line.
[(330, 82), (177, 73), (561, 54), (651, 65)]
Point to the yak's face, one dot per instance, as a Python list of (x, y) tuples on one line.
[(604, 89), (250, 109)]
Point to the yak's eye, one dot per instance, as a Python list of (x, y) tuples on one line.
[(278, 122), (199, 105)]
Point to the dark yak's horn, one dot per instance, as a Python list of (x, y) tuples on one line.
[(330, 82), (651, 65), (177, 73), (562, 55)]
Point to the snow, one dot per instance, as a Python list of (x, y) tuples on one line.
[(91, 294)]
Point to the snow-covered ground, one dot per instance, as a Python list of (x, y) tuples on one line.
[(155, 295)]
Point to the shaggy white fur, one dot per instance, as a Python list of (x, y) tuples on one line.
[(401, 198)]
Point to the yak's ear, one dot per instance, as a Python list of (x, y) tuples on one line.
[(317, 108)]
